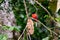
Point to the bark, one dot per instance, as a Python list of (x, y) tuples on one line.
[(7, 18)]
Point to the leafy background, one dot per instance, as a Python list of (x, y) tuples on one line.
[(21, 18)]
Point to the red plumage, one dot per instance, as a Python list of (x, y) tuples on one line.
[(35, 16)]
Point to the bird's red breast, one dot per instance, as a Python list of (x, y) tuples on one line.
[(34, 16)]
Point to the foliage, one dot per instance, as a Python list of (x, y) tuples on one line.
[(11, 28), (1, 1), (3, 37), (57, 19), (46, 38), (21, 18), (20, 15)]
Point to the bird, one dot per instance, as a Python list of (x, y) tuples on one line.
[(34, 16), (35, 19)]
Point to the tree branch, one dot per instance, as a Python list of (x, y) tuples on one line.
[(45, 10), (46, 26), (22, 33), (43, 7), (27, 17), (25, 8), (29, 37)]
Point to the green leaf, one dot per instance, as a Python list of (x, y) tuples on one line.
[(16, 29), (5, 27), (57, 19), (46, 16), (3, 37), (47, 38), (11, 28), (1, 1)]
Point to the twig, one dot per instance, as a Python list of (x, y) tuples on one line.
[(29, 37), (45, 10), (22, 33), (45, 26), (43, 7), (27, 17), (25, 8)]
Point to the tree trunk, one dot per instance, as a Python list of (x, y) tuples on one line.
[(7, 18)]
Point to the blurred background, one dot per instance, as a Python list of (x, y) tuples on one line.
[(13, 19)]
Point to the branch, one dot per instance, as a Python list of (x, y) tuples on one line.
[(22, 33), (45, 26), (25, 8), (43, 7), (29, 37), (45, 10), (27, 17)]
